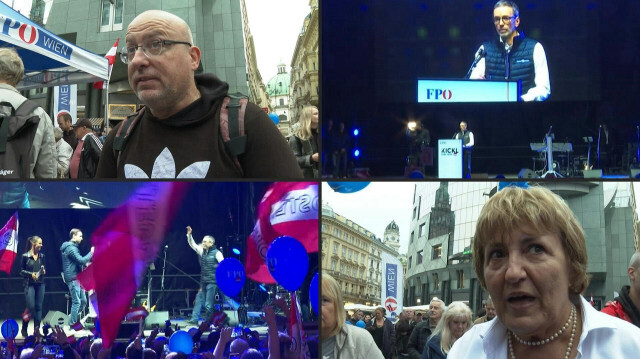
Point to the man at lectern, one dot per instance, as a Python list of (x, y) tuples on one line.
[(512, 56), (467, 146)]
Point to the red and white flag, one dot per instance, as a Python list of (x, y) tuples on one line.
[(9, 243), (26, 315), (125, 243), (298, 338), (135, 314), (111, 56), (287, 208), (591, 301), (77, 326)]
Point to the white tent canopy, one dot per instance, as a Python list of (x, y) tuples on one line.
[(48, 59)]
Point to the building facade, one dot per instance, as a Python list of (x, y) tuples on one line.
[(444, 220), (257, 90), (305, 67), (278, 91), (352, 255)]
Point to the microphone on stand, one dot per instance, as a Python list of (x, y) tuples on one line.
[(479, 55)]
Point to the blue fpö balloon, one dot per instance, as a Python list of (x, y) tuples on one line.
[(288, 262), (313, 293), (181, 342), (348, 187), (230, 276)]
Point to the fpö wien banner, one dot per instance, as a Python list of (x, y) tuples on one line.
[(65, 99), (392, 279)]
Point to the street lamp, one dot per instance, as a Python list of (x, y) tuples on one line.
[(418, 301)]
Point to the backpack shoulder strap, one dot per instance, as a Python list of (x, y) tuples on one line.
[(26, 108), (122, 136), (232, 125)]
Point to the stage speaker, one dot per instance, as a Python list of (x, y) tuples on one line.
[(126, 330), (54, 318), (592, 173), (156, 320), (527, 173), (635, 172)]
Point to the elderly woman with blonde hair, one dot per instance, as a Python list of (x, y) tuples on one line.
[(340, 341), (529, 252), (305, 142), (455, 321)]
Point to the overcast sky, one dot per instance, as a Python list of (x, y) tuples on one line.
[(275, 26), (375, 207)]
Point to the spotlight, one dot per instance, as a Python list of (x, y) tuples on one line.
[(411, 126), (356, 153), (236, 251), (356, 132), (262, 287)]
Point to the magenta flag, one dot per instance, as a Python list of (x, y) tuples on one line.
[(125, 243)]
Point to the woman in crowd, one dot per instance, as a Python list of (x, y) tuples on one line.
[(340, 340), (455, 321), (304, 142), (529, 252), (32, 270), (383, 332)]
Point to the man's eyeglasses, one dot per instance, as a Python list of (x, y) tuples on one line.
[(150, 48), (505, 19)]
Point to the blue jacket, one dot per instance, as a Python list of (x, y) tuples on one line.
[(72, 261), (432, 349)]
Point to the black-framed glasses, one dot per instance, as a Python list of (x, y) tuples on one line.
[(505, 19), (150, 48)]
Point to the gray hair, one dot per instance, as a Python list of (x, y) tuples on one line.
[(635, 261), (209, 237), (11, 66), (57, 133), (511, 4), (444, 306)]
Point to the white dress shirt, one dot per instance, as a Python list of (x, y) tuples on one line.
[(603, 336)]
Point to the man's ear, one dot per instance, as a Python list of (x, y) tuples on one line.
[(517, 20), (194, 52)]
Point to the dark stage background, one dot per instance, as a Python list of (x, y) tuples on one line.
[(224, 210), (373, 52)]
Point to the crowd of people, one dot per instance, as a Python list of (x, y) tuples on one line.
[(221, 342)]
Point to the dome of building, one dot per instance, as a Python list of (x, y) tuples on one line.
[(279, 84), (392, 226)]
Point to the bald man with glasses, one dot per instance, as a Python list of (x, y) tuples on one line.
[(512, 56), (179, 132)]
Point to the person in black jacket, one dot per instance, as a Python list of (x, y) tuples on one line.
[(85, 158), (72, 263), (32, 269), (305, 142), (209, 258)]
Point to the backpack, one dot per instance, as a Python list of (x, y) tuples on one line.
[(17, 132), (231, 128)]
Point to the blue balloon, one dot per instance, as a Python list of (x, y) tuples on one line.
[(313, 293), (348, 187), (275, 118), (288, 262), (360, 324), (181, 342), (9, 329), (230, 276)]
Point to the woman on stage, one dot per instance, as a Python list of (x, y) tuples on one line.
[(33, 270)]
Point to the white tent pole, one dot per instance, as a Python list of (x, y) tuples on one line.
[(106, 106)]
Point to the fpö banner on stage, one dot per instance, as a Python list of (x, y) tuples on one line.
[(65, 99), (444, 91), (391, 297)]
